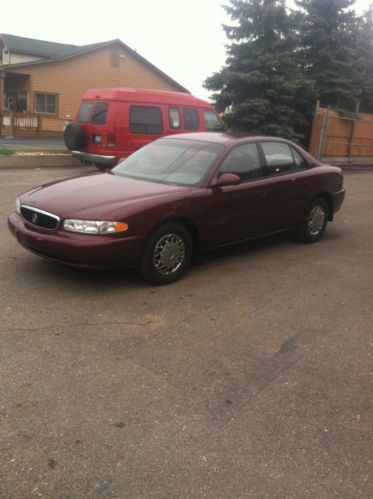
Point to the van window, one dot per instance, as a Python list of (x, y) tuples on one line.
[(212, 122), (146, 120), (85, 112), (191, 119), (174, 117), (99, 113)]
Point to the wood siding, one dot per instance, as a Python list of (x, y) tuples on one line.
[(111, 66)]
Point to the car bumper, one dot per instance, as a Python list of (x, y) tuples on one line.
[(338, 198), (78, 250), (101, 159)]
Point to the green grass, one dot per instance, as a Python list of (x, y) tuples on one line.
[(6, 152)]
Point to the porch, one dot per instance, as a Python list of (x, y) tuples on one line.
[(13, 124)]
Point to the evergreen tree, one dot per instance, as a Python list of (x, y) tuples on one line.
[(328, 45), (261, 84), (365, 60)]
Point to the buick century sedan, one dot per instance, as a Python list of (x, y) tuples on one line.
[(176, 197)]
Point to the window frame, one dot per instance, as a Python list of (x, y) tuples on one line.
[(198, 118), (266, 166), (85, 103), (174, 108), (51, 94), (222, 127), (146, 132), (260, 157)]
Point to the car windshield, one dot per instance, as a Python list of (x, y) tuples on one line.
[(171, 161)]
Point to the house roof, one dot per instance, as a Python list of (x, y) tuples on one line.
[(37, 48), (53, 52)]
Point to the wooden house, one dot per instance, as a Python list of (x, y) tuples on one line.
[(41, 83)]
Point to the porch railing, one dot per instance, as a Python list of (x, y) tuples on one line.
[(13, 123)]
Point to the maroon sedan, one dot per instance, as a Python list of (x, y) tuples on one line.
[(175, 197)]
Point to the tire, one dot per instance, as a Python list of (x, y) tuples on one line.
[(167, 254), (314, 223), (74, 136)]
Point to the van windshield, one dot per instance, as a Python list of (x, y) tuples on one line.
[(171, 161)]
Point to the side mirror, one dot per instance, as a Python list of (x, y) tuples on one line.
[(227, 179)]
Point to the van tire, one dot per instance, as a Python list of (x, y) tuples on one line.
[(74, 136)]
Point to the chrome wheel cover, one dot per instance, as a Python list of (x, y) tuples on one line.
[(316, 220), (169, 254)]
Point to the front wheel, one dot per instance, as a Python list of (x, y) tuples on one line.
[(167, 254), (314, 223)]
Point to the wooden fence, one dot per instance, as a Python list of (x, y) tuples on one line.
[(342, 139)]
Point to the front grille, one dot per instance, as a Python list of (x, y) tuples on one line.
[(40, 218)]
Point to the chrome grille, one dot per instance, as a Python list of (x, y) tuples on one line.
[(40, 218)]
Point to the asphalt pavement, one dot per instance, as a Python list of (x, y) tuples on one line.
[(250, 377)]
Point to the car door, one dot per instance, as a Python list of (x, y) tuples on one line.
[(237, 212), (290, 183)]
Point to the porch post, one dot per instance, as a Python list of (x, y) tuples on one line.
[(2, 78)]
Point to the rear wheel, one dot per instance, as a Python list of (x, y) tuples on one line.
[(314, 223), (167, 254)]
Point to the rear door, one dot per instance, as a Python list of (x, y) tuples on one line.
[(290, 183), (93, 117)]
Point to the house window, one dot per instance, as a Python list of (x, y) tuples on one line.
[(46, 103)]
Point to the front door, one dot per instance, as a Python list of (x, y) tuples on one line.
[(241, 211)]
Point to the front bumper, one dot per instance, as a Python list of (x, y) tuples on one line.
[(78, 250), (338, 198), (100, 159)]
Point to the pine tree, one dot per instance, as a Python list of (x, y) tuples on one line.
[(328, 45), (365, 60), (261, 84)]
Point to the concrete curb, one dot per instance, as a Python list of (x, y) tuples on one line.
[(38, 160)]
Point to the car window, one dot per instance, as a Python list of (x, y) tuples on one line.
[(212, 122), (171, 161), (243, 161), (279, 157), (84, 115), (191, 119), (100, 113), (144, 119), (300, 163), (174, 117)]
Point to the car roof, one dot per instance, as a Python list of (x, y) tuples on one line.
[(227, 139), (232, 139)]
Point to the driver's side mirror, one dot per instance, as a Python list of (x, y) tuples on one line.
[(226, 179)]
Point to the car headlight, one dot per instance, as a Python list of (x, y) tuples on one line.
[(18, 206), (94, 227)]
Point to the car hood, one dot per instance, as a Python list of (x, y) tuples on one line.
[(93, 196)]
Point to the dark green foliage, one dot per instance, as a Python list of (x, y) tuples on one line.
[(365, 60), (327, 50), (261, 81), (279, 62)]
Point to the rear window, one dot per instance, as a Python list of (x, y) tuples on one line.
[(145, 119), (100, 113), (85, 112), (191, 119)]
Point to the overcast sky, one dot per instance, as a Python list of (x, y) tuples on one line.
[(183, 38)]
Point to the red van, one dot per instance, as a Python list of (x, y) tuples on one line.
[(112, 123)]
